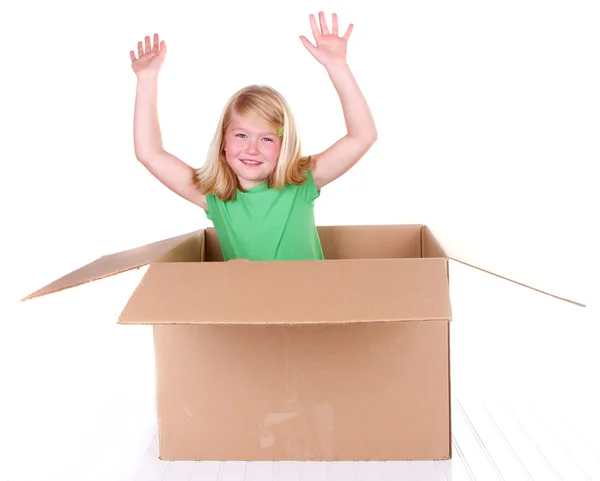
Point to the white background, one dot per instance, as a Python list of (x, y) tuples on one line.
[(488, 120)]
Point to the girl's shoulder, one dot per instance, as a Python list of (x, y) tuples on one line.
[(308, 187)]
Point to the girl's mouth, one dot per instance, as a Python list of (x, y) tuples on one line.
[(250, 163)]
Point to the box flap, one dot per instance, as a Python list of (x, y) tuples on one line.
[(109, 265), (556, 296), (431, 247), (291, 292)]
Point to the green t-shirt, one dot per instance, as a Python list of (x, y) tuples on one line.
[(266, 224)]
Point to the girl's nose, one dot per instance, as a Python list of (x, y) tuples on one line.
[(252, 146)]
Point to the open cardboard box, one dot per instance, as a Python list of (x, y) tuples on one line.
[(341, 359)]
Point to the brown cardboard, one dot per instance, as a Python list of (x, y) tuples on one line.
[(341, 359), (360, 391), (291, 292), (187, 246)]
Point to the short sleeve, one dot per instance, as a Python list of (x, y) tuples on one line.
[(210, 202), (310, 189)]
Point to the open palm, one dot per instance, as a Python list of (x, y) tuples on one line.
[(330, 48), (150, 60)]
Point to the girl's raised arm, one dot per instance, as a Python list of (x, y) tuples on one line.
[(168, 169), (330, 51)]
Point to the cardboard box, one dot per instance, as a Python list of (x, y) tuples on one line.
[(341, 359)]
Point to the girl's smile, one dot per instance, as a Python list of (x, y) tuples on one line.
[(251, 148)]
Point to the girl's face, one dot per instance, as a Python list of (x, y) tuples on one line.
[(252, 149)]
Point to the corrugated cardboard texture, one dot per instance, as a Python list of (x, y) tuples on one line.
[(290, 292), (184, 247), (320, 392)]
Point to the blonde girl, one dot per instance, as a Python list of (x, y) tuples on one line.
[(256, 186)]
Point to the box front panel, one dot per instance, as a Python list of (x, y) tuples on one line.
[(322, 392)]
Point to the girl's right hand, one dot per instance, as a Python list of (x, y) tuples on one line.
[(149, 62)]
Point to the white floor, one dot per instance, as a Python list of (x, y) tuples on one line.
[(77, 393)]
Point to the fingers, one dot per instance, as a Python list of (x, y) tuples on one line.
[(148, 46), (309, 46), (314, 28), (323, 23), (324, 30), (348, 32)]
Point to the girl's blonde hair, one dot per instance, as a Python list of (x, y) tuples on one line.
[(216, 176)]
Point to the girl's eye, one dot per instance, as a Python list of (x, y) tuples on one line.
[(242, 136)]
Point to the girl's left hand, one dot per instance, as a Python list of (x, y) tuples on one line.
[(330, 48)]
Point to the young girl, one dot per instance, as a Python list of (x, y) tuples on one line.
[(255, 186)]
